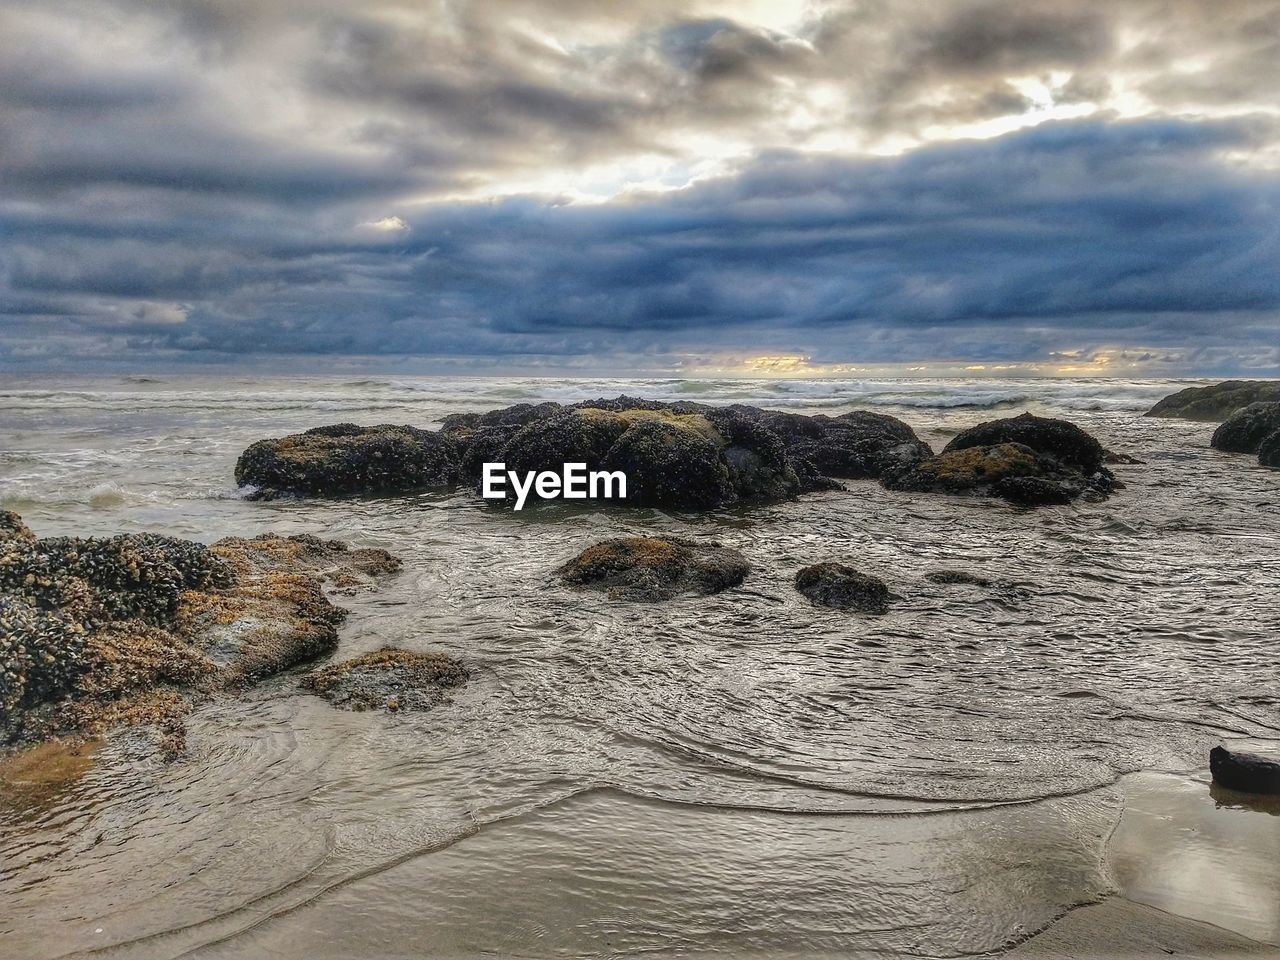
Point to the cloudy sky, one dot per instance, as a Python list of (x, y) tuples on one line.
[(688, 186)]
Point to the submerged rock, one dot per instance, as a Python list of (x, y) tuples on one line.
[(958, 577), (656, 568), (388, 679), (1217, 402), (1027, 460), (1244, 430), (348, 459), (133, 629), (1242, 771), (833, 584)]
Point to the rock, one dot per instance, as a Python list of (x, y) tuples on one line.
[(1058, 440), (1269, 451), (393, 680), (833, 584), (1246, 772), (1033, 491), (12, 527), (957, 577), (346, 459), (967, 470), (853, 445), (1216, 403), (656, 568), (1027, 460), (670, 465), (134, 629), (1244, 430)]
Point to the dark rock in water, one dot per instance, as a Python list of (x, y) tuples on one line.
[(1033, 491), (1216, 403), (135, 628), (387, 679), (656, 568), (1026, 460), (1246, 772), (833, 584), (852, 446), (1059, 440), (568, 437), (348, 459), (1244, 430), (1111, 456), (1269, 451), (957, 576)]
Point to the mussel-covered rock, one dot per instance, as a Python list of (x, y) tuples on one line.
[(832, 584), (1244, 430), (656, 568), (1242, 771), (669, 464), (96, 632), (951, 577), (12, 527), (348, 459), (388, 679), (1217, 402)]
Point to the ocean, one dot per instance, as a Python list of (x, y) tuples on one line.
[(741, 774)]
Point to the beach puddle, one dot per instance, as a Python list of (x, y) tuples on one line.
[(1199, 851)]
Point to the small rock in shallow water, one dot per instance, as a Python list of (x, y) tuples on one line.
[(839, 585), (394, 680), (1246, 772), (656, 568), (957, 576)]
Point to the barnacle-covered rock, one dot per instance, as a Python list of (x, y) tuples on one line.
[(388, 679), (96, 632), (656, 568), (1244, 430)]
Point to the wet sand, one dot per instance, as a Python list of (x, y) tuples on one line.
[(1117, 927)]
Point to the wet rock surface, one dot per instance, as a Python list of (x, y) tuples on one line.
[(950, 577), (345, 459), (1269, 451), (1246, 772), (832, 584), (655, 568), (393, 680), (135, 628), (1027, 460), (1246, 429), (684, 456), (1216, 402)]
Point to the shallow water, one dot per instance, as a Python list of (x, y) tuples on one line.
[(740, 774)]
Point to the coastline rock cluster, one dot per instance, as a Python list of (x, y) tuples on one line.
[(686, 456), (98, 632), (388, 679)]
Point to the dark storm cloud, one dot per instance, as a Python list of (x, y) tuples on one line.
[(211, 178)]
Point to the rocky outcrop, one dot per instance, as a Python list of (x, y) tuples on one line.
[(135, 628), (681, 456), (1246, 429), (346, 459), (655, 568), (833, 584), (387, 679), (1217, 402), (1242, 771), (1026, 460)]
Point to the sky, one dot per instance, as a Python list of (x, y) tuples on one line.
[(698, 187)]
